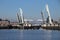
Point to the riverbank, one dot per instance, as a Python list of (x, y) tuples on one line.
[(20, 27)]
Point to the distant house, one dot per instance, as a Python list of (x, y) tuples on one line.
[(4, 22)]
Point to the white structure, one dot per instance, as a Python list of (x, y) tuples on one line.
[(42, 17), (47, 9), (21, 15), (18, 17)]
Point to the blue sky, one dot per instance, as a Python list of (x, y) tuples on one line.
[(31, 8)]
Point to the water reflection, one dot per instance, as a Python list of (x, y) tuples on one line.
[(40, 34), (48, 35), (21, 34)]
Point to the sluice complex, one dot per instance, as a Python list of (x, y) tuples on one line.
[(49, 23), (21, 24)]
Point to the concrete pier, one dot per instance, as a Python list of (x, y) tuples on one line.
[(51, 27)]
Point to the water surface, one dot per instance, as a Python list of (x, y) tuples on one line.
[(41, 34)]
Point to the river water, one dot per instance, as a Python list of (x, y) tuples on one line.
[(41, 34)]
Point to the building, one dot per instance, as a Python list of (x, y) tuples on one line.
[(4, 23)]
